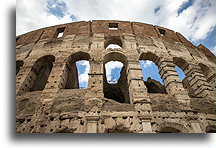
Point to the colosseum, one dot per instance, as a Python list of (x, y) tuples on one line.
[(49, 99)]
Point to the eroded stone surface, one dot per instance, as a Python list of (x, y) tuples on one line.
[(49, 100)]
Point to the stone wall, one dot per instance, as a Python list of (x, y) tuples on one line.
[(48, 99)]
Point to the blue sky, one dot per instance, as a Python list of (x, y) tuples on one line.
[(195, 19)]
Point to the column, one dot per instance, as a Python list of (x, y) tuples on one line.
[(57, 78), (21, 79), (172, 83), (137, 89), (95, 80), (146, 122), (196, 127), (92, 123), (197, 81)]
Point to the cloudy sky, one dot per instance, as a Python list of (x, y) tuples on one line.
[(195, 19)]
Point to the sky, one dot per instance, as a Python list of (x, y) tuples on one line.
[(195, 19)]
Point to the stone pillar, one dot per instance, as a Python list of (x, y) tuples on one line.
[(172, 83), (57, 78), (92, 123), (137, 89), (22, 79), (146, 122), (196, 127), (95, 79), (197, 81)]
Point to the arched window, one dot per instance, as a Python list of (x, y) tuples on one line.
[(151, 76), (113, 42), (38, 76), (41, 70), (83, 68), (115, 87), (180, 66), (113, 71), (19, 64), (75, 75), (171, 127), (209, 74), (211, 129), (169, 130)]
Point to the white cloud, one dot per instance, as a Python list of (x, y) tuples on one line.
[(110, 66), (33, 14), (195, 22), (113, 46), (146, 63), (83, 77)]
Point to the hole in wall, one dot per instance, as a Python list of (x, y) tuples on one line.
[(113, 69), (151, 77), (83, 68)]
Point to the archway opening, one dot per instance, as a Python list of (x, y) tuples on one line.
[(151, 77), (150, 72), (41, 70), (181, 64), (180, 73), (113, 71), (169, 130), (115, 85), (113, 42), (211, 129), (36, 79), (83, 68), (75, 75), (209, 74), (19, 64)]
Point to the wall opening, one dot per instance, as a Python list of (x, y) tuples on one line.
[(169, 130), (113, 71), (113, 41), (75, 75), (19, 64), (113, 46), (209, 74), (113, 26), (17, 38), (211, 129), (59, 32), (162, 32), (151, 76), (181, 64), (39, 74), (115, 87), (83, 68)]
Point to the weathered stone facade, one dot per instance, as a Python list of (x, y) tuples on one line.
[(48, 99)]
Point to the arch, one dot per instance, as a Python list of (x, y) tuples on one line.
[(113, 40), (19, 63), (119, 91), (211, 129), (206, 71), (119, 129), (181, 63), (149, 56), (150, 69), (172, 127), (36, 79), (70, 78), (41, 70)]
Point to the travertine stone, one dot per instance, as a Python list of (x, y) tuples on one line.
[(48, 98)]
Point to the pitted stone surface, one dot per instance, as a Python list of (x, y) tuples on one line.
[(48, 98)]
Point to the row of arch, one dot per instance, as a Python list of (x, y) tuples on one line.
[(166, 127), (41, 69)]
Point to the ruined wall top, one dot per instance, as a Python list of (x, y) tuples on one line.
[(102, 26)]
